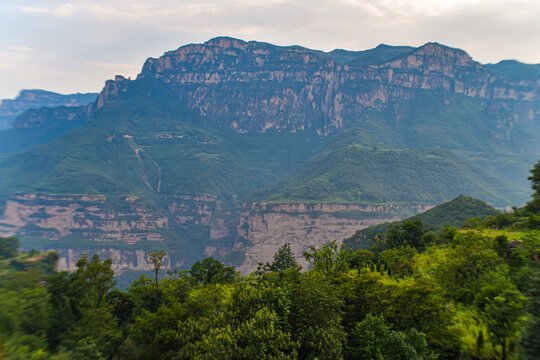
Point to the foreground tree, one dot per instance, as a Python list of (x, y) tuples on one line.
[(211, 271), (530, 340), (156, 259), (372, 338), (329, 259), (533, 206), (502, 305)]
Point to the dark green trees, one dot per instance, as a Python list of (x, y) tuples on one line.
[(533, 206), (530, 340), (211, 271), (372, 339), (8, 246)]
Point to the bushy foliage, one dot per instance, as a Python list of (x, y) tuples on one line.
[(415, 295)]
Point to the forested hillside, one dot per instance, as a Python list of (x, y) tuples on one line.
[(416, 294), (454, 212)]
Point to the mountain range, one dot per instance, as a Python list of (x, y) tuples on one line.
[(230, 148)]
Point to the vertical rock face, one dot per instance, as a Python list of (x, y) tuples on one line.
[(267, 227), (129, 231), (87, 217), (252, 86), (122, 259)]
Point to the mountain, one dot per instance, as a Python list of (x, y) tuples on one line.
[(515, 71), (38, 117), (454, 212), (357, 173), (229, 148), (35, 99)]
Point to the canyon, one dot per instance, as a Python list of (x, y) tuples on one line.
[(231, 148), (128, 232)]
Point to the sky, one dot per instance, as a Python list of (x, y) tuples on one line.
[(74, 46)]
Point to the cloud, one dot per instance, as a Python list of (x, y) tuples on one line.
[(19, 49), (64, 10), (78, 44)]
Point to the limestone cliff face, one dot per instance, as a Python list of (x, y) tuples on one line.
[(267, 227), (84, 217), (122, 259), (252, 86), (128, 231)]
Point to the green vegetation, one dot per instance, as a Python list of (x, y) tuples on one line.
[(415, 294), (515, 71), (454, 213), (446, 298)]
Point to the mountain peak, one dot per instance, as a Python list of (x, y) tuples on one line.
[(435, 49), (226, 42)]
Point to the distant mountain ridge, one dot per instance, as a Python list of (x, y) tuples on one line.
[(227, 147), (35, 99), (253, 86)]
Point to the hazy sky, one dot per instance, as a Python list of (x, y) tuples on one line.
[(74, 46)]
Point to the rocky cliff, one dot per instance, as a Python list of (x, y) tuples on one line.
[(207, 126), (255, 86), (252, 86), (128, 231), (267, 227)]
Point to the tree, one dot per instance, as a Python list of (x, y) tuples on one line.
[(409, 233), (80, 308), (502, 305), (533, 206), (283, 258), (530, 339), (211, 271), (259, 337), (8, 246), (372, 338), (316, 318), (328, 259), (156, 259)]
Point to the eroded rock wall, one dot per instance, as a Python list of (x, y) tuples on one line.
[(267, 227), (127, 231)]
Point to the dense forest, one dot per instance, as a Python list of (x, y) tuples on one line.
[(449, 293)]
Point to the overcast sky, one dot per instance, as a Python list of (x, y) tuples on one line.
[(74, 46)]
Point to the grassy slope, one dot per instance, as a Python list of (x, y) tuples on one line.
[(359, 174), (453, 212), (138, 145)]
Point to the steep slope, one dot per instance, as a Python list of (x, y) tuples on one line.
[(454, 212), (358, 174), (183, 157)]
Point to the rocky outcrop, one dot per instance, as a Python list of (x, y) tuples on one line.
[(128, 231), (122, 259), (32, 101), (35, 99), (252, 86), (267, 227), (82, 217)]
